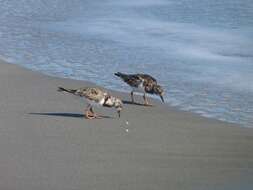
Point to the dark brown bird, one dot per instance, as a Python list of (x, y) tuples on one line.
[(95, 96), (143, 83)]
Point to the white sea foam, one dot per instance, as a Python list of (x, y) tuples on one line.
[(203, 43)]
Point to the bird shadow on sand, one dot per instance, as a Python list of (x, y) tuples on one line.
[(134, 103), (73, 115)]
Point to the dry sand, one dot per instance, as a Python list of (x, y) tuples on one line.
[(46, 144)]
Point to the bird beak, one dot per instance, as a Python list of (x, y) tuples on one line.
[(162, 98), (118, 113)]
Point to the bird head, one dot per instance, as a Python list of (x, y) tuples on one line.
[(159, 91), (118, 105)]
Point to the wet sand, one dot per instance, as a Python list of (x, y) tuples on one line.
[(45, 143)]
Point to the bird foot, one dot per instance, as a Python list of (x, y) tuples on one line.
[(89, 115)]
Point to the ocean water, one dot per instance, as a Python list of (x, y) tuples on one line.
[(200, 51)]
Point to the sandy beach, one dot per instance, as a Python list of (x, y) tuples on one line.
[(45, 143)]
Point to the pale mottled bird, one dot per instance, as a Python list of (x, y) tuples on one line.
[(143, 83), (95, 96)]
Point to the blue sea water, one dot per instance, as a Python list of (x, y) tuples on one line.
[(200, 51)]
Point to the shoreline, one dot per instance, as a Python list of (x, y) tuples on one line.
[(46, 143), (156, 100)]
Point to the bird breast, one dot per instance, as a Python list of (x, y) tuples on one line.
[(96, 103)]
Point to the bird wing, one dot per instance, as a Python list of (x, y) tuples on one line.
[(92, 93), (132, 80), (147, 78), (148, 82), (135, 80)]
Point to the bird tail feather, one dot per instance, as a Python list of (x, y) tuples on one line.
[(61, 89), (121, 75)]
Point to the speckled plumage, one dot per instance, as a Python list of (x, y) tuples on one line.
[(95, 95), (142, 83)]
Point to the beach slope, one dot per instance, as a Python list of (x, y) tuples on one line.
[(45, 143)]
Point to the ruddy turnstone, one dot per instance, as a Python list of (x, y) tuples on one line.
[(95, 96), (142, 83)]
